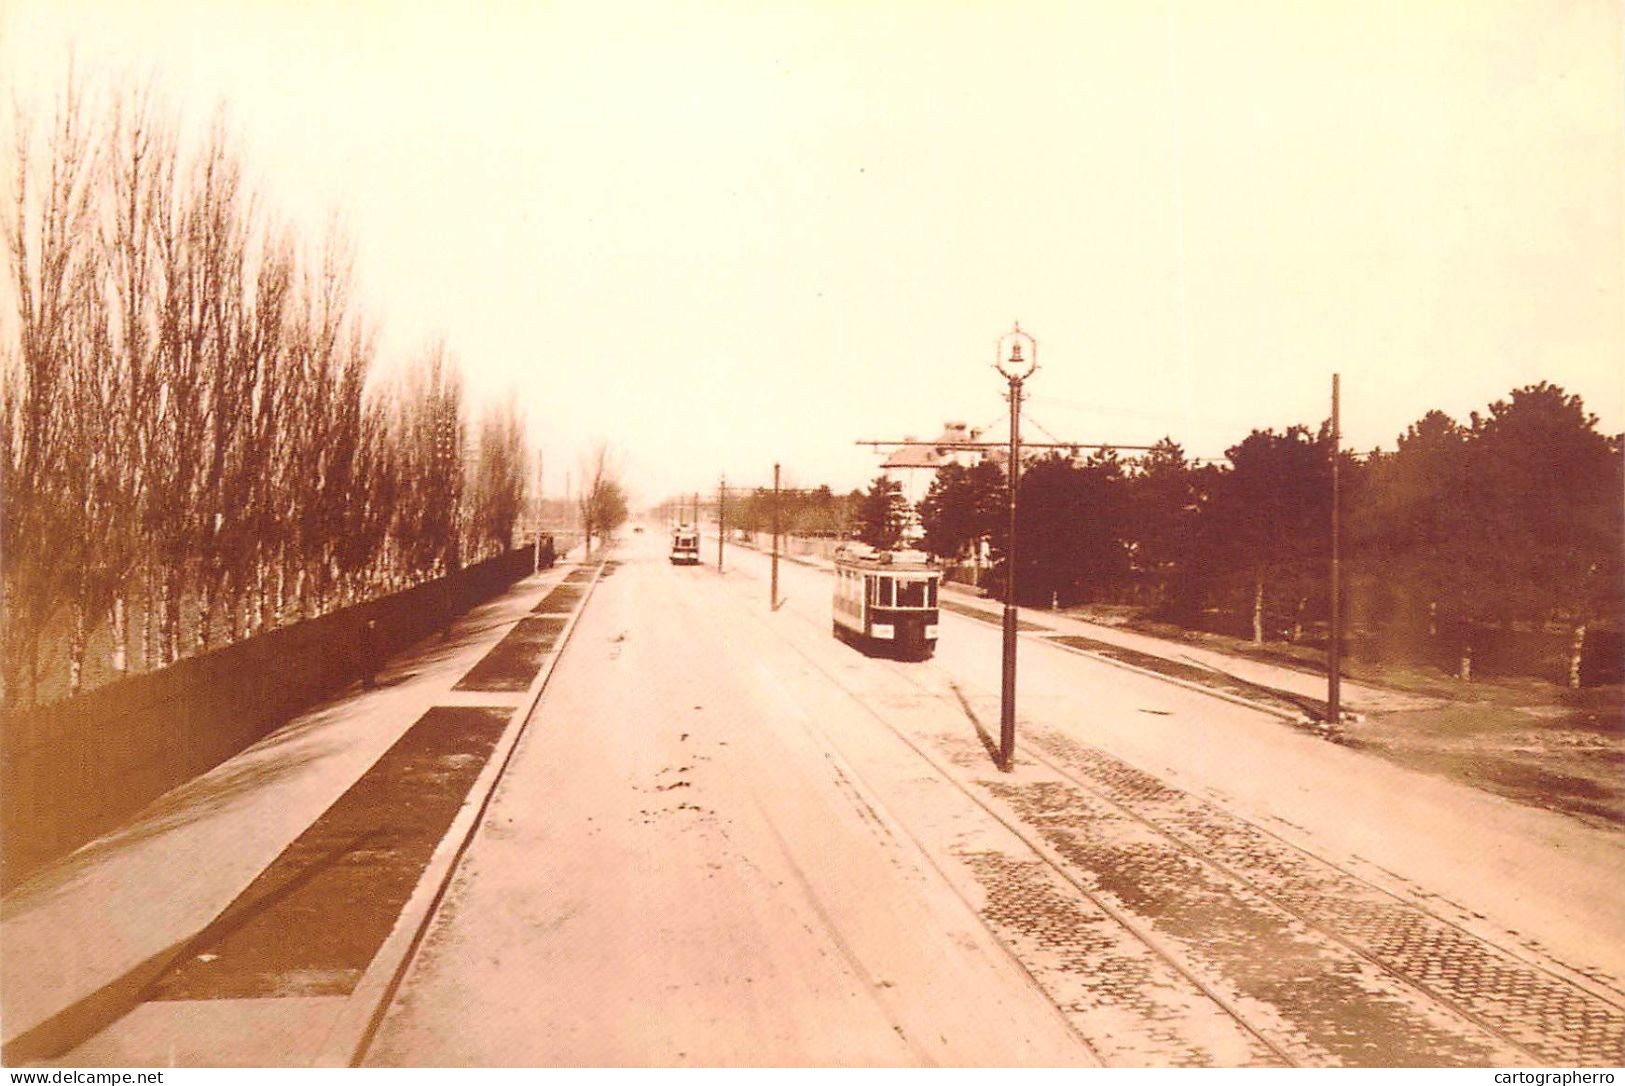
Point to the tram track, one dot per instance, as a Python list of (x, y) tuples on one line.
[(1272, 1053), (1591, 983), (1046, 856), (1529, 1006), (1520, 1010), (1462, 942), (1531, 1039)]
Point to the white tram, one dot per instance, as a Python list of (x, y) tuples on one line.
[(886, 601), (685, 546)]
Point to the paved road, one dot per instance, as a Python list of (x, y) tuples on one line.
[(727, 838), (675, 870)]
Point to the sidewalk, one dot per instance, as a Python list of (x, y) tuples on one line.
[(82, 939)]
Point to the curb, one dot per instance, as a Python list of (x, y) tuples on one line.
[(351, 1035)]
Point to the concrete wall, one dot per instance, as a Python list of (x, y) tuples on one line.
[(75, 769)]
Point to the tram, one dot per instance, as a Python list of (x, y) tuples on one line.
[(886, 601), (685, 546)]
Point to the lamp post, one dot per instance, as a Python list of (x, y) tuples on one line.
[(1016, 358)]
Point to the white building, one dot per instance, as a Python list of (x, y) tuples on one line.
[(915, 466)]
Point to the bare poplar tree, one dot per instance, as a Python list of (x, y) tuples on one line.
[(49, 237), (429, 430), (602, 502), (218, 229), (140, 177), (499, 479), (252, 478), (185, 415)]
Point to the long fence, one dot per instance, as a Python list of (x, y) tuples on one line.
[(74, 769)]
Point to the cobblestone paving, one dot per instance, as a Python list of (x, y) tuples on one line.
[(1333, 1006), (1323, 967), (1131, 1006), (1545, 1014)]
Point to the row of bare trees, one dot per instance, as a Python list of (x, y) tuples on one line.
[(193, 453)]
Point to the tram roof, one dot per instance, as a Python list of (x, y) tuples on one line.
[(863, 556)]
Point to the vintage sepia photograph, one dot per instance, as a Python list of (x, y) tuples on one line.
[(829, 534)]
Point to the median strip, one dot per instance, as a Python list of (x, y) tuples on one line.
[(562, 599), (516, 659), (313, 920)]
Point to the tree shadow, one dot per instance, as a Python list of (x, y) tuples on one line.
[(198, 799), (273, 886)]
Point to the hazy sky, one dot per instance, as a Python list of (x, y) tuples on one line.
[(720, 235)]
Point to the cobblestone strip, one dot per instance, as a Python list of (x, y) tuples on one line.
[(1544, 1013), (1134, 1009), (1337, 1007)]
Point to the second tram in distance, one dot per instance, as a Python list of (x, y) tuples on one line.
[(685, 546), (886, 601)]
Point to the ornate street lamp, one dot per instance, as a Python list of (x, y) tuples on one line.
[(1016, 357)]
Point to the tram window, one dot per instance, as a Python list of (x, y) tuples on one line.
[(911, 594), (882, 594)]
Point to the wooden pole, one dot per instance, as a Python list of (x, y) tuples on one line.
[(773, 591), (1334, 640)]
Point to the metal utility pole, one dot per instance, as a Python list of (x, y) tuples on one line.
[(1334, 640), (722, 518), (773, 590), (1015, 369)]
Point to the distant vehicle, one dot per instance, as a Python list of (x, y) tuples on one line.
[(886, 601), (637, 529), (685, 546)]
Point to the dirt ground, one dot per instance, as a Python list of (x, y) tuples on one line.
[(1534, 742)]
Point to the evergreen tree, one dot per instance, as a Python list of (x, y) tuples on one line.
[(1267, 526), (882, 514), (962, 508)]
